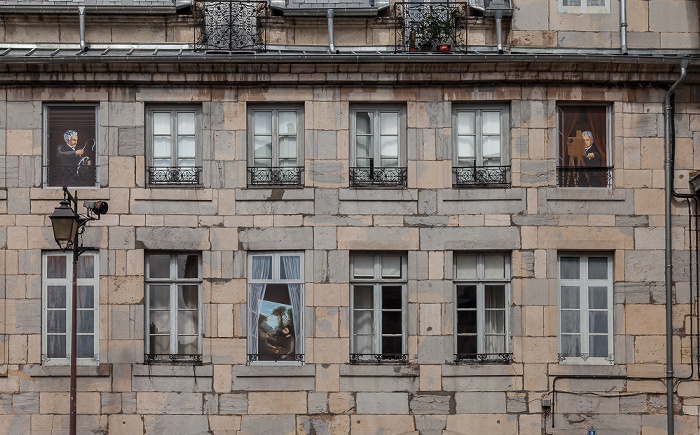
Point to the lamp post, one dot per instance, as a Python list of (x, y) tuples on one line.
[(68, 225)]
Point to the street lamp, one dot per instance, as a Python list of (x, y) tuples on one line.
[(68, 225)]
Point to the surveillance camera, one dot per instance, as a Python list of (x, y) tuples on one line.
[(97, 207)]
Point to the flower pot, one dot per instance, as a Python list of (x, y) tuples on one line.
[(443, 47)]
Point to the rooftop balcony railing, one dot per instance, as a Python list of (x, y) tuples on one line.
[(425, 26), (230, 25)]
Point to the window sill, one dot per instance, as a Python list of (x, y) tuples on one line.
[(172, 194), (268, 193), (589, 369), (585, 194), (380, 370), (356, 358), (481, 369), (63, 370), (274, 370), (174, 370), (479, 193), (577, 361)]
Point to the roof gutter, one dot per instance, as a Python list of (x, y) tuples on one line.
[(91, 9)]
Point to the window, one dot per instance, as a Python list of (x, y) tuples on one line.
[(56, 298), (378, 147), (276, 151), (173, 307), (70, 145), (378, 302), (276, 307), (480, 146), (584, 158), (584, 6), (174, 146), (482, 298), (585, 308)]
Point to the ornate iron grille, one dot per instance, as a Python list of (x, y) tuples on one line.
[(400, 358), (275, 176), (71, 176), (297, 357), (165, 358), (230, 25), (174, 176), (377, 177), (583, 176), (415, 24), (484, 176), (484, 357)]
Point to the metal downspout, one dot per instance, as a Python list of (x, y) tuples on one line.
[(83, 44), (668, 170), (623, 26), (499, 31), (331, 32)]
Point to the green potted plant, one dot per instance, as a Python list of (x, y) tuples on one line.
[(436, 29)]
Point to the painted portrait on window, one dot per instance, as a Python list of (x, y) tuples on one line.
[(583, 146), (70, 145)]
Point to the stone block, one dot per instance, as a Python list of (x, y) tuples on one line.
[(268, 424), (25, 403), (327, 377), (180, 424), (318, 403), (430, 319), (276, 238), (121, 424), (645, 319), (180, 239), (481, 402), (110, 403), (382, 403), (131, 141), (492, 238), (224, 424), (278, 402), (323, 425), (341, 403), (487, 423), (169, 403), (233, 403), (377, 424), (430, 404), (430, 377)]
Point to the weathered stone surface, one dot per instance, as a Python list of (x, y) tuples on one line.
[(431, 404), (189, 424), (382, 403), (268, 424)]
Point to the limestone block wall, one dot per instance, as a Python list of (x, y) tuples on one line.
[(532, 221)]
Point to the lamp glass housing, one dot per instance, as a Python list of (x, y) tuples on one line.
[(65, 225)]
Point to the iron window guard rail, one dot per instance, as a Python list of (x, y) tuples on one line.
[(71, 176), (230, 25), (482, 176), (374, 176), (191, 176), (258, 176), (297, 357), (400, 358), (503, 357), (170, 358), (411, 20), (584, 176)]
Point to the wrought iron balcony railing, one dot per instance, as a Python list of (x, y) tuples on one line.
[(360, 177), (481, 176), (276, 176), (164, 176), (584, 176), (71, 176), (503, 357), (398, 358), (422, 26), (296, 357), (230, 25), (165, 358)]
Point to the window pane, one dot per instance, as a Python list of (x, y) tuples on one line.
[(160, 344), (571, 2), (391, 297), (362, 344), (598, 298), (492, 150), (389, 123), (86, 346), (363, 322), (159, 322), (289, 267), (56, 266), (160, 163), (495, 322), (262, 123), (466, 344), (495, 296), (161, 147), (391, 345), (56, 321), (570, 321), (390, 147), (86, 321), (363, 146), (262, 267), (569, 267), (465, 147), (466, 296), (188, 297), (389, 163), (86, 296), (571, 345), (391, 266), (466, 321), (56, 346), (186, 147), (262, 147), (187, 322), (161, 123), (86, 266), (494, 344), (287, 123), (597, 268), (391, 322), (491, 123), (363, 122), (363, 266), (570, 297), (185, 123), (598, 346), (55, 296), (466, 123), (494, 266), (159, 266), (598, 322), (363, 297), (186, 163), (466, 267), (187, 345), (188, 266), (159, 297), (288, 148)]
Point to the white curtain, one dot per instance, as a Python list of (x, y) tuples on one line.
[(290, 270), (261, 269)]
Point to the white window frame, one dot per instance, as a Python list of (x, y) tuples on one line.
[(253, 310), (377, 282), (173, 111), (274, 110), (173, 282), (584, 8), (583, 284), (478, 110), (481, 282), (67, 282), (376, 133)]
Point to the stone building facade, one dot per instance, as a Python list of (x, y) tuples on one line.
[(314, 234)]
